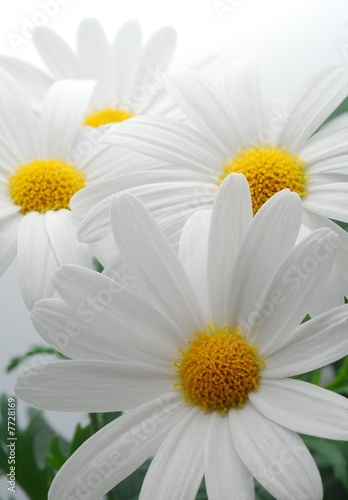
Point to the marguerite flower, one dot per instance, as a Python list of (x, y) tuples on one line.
[(233, 132), (127, 73), (202, 355), (42, 165)]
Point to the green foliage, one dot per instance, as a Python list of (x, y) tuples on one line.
[(34, 351)]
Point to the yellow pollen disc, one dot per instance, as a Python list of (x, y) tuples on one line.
[(218, 370), (268, 171), (108, 115), (44, 185)]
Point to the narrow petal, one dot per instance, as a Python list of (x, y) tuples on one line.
[(231, 218), (109, 307), (95, 56), (92, 386), (330, 200), (311, 103), (149, 256), (116, 451), (177, 469), (331, 296), (275, 456), (225, 474), (62, 115), (61, 227), (302, 274), (168, 140), (126, 49), (36, 259), (193, 250), (8, 241), (314, 344), (242, 84), (57, 55), (303, 407), (208, 109), (271, 236)]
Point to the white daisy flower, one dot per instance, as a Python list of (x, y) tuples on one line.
[(127, 73), (233, 132), (42, 165), (201, 357)]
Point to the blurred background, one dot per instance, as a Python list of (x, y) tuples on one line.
[(293, 38)]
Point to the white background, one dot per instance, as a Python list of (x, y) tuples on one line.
[(292, 38)]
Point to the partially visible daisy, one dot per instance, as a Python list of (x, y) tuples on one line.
[(233, 132), (127, 73), (201, 357), (42, 165)]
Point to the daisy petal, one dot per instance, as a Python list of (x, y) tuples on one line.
[(193, 255), (92, 386), (331, 296), (313, 344), (177, 469), (241, 82), (107, 306), (302, 274), (116, 451), (225, 474), (36, 259), (211, 113), (57, 55), (275, 456), (231, 218), (63, 111), (61, 227), (8, 241), (160, 275), (126, 52), (311, 103), (303, 407), (330, 200), (271, 235)]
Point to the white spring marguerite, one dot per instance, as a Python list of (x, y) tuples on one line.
[(233, 131), (127, 73), (201, 356), (43, 163)]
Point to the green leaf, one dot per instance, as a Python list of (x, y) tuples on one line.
[(34, 351)]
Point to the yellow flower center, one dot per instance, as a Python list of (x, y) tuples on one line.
[(218, 369), (43, 185), (105, 116), (268, 171)]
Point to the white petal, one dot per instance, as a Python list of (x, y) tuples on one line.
[(241, 82), (36, 259), (126, 51), (209, 110), (271, 236), (62, 115), (311, 103), (149, 256), (35, 82), (302, 274), (61, 227), (330, 201), (318, 342), (177, 469), (8, 241), (95, 56), (107, 306), (116, 451), (193, 249), (275, 456), (156, 55), (57, 55), (225, 474), (330, 296), (303, 407), (93, 386), (168, 140), (231, 218), (18, 127)]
